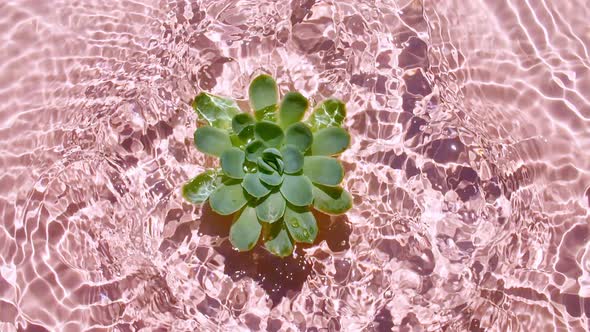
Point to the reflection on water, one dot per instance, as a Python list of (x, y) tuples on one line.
[(469, 166)]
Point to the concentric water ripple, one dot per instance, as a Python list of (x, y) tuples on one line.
[(469, 166)]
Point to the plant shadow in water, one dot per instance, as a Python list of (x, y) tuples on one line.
[(279, 277)]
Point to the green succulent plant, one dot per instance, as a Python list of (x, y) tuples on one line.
[(274, 167)]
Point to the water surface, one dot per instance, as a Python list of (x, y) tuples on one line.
[(469, 165)]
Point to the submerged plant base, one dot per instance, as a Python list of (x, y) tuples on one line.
[(274, 167), (278, 276)]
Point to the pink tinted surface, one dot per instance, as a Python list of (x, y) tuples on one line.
[(469, 166)]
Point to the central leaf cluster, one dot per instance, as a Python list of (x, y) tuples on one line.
[(269, 162)]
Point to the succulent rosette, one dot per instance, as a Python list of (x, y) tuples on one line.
[(274, 167)]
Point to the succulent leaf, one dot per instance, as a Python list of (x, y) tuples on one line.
[(268, 113), (245, 231), (330, 141), (227, 199), (271, 208), (265, 166), (331, 200), (277, 240), (272, 179), (330, 113), (280, 165), (301, 224), (236, 141), (254, 186), (292, 108), (198, 189), (243, 125), (271, 153), (299, 135), (270, 133), (293, 159), (263, 92), (216, 111), (212, 141), (297, 190), (232, 163), (323, 170), (273, 158), (254, 150)]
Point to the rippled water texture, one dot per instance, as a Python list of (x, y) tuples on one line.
[(469, 166)]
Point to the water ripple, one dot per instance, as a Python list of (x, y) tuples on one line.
[(468, 166)]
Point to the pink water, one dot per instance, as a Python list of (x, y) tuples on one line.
[(470, 165)]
